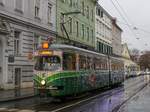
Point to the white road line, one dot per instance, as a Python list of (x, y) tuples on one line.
[(3, 109), (14, 110), (26, 111)]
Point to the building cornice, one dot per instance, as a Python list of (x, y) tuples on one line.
[(99, 6), (29, 23)]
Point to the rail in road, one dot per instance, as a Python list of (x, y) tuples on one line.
[(131, 88)]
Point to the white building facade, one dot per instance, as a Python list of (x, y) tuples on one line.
[(24, 24), (116, 38), (103, 31)]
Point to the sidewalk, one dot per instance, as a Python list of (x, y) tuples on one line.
[(10, 95)]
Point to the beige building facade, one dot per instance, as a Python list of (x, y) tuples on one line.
[(116, 38), (130, 67), (24, 24), (103, 32)]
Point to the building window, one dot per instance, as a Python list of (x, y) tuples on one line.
[(49, 12), (98, 12), (83, 8), (37, 41), (77, 28), (70, 2), (82, 30), (76, 3), (88, 13), (102, 14), (37, 8), (88, 34), (92, 35), (92, 15), (19, 5), (17, 45), (70, 25)]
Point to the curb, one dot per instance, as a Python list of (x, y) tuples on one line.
[(16, 98)]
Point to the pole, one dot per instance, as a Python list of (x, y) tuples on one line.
[(109, 70)]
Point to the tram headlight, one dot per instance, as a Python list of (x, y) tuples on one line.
[(43, 82)]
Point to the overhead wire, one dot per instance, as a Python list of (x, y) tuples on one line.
[(127, 23), (122, 16), (134, 27), (122, 9)]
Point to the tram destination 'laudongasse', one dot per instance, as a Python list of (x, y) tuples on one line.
[(64, 70)]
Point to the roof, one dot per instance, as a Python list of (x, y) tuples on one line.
[(81, 50), (98, 5), (125, 51), (115, 23)]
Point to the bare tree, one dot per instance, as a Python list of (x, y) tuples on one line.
[(135, 54), (144, 60)]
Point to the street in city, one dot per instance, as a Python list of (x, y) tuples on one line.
[(133, 96), (74, 56)]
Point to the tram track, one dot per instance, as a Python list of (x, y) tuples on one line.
[(106, 95), (54, 107), (57, 108), (116, 109)]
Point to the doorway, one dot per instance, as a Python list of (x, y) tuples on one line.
[(17, 82), (17, 77)]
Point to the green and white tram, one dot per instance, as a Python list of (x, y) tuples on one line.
[(64, 70)]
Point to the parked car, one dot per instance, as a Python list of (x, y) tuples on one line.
[(147, 72)]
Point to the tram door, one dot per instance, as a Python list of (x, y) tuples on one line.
[(17, 77)]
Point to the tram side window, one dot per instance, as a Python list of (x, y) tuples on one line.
[(97, 64), (82, 63), (88, 63), (69, 61)]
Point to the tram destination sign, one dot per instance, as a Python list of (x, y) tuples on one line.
[(45, 52)]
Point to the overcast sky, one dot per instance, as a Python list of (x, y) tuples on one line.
[(138, 12)]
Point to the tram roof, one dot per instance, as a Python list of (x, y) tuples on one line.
[(69, 47)]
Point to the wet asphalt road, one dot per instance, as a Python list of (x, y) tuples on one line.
[(136, 91)]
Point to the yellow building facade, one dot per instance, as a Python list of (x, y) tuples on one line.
[(130, 68)]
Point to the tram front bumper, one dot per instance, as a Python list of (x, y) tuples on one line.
[(46, 88)]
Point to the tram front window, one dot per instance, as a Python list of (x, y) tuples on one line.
[(48, 63)]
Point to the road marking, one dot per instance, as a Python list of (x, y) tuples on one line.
[(3, 109), (26, 111), (14, 110)]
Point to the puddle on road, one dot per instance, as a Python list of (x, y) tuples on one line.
[(103, 104)]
